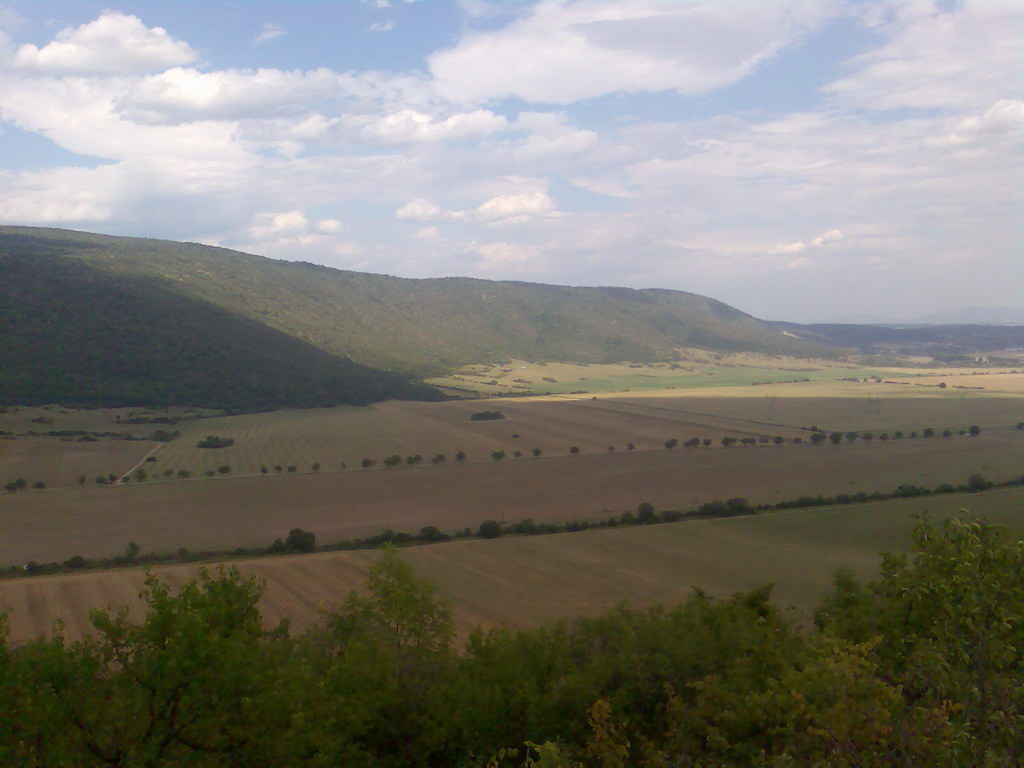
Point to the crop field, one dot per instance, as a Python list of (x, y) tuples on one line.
[(224, 513), (843, 405), (523, 581), (696, 369), (990, 382), (333, 437), (60, 463), (340, 438)]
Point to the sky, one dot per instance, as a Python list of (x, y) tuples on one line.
[(799, 159)]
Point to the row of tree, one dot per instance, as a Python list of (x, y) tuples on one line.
[(923, 666), (645, 514)]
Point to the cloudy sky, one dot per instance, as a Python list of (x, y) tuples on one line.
[(800, 159)]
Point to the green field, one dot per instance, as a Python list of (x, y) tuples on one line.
[(697, 369), (527, 580)]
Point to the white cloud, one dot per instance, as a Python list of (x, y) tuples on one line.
[(115, 43), (329, 226), (382, 26), (410, 126), (1003, 121), (824, 238), (269, 32), (418, 210), (427, 233), (938, 58), (560, 52), (518, 206), (503, 256), (267, 224), (63, 195), (186, 93), (832, 236)]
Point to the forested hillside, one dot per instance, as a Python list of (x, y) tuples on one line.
[(418, 326), (75, 334), (921, 668)]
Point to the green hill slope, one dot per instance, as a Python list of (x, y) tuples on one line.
[(420, 326), (73, 333)]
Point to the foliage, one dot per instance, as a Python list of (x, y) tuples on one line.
[(216, 317), (486, 416), (213, 441), (55, 294), (922, 667)]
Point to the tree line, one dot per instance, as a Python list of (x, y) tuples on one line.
[(645, 514), (921, 666)]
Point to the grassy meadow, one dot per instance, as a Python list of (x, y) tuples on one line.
[(527, 580)]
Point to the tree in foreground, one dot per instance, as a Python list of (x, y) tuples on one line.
[(922, 667)]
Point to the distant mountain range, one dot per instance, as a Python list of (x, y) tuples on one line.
[(963, 316), (103, 320)]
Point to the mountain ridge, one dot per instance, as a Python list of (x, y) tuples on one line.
[(424, 326)]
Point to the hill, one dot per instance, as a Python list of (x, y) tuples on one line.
[(71, 332), (419, 326)]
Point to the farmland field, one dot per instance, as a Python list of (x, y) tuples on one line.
[(224, 513), (523, 581), (26, 451), (60, 463), (696, 369), (340, 438), (843, 405), (336, 436)]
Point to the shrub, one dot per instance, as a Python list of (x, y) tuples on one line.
[(486, 416), (645, 513), (212, 441), (977, 483), (489, 529), (300, 541), (431, 533)]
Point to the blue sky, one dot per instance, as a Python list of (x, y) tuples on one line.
[(800, 159)]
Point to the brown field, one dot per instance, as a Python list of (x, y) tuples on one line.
[(224, 513), (59, 463), (843, 405), (346, 435), (523, 581)]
